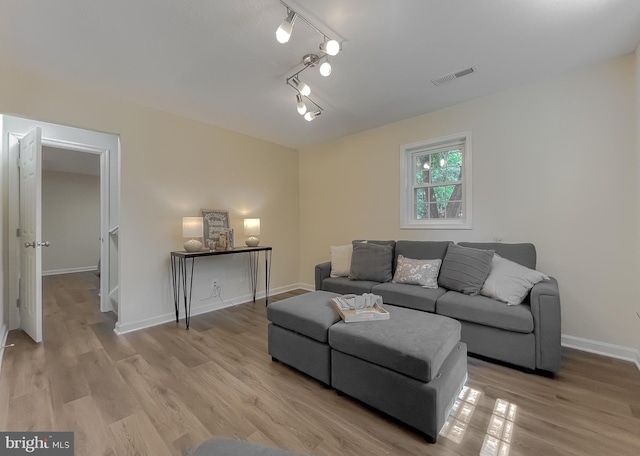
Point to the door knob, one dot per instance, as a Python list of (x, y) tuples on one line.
[(43, 244), (30, 244)]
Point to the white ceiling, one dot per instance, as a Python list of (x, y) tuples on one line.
[(217, 61)]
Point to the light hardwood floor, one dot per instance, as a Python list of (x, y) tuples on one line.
[(163, 390)]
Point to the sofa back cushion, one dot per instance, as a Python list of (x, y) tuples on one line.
[(465, 269), (524, 254), (421, 250), (372, 261)]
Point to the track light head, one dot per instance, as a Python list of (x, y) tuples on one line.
[(330, 47), (286, 28), (312, 115), (303, 88), (302, 108), (325, 68)]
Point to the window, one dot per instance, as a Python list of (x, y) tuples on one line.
[(436, 183)]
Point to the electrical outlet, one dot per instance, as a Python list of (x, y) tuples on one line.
[(215, 288)]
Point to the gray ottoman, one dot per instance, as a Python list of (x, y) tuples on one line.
[(228, 447), (298, 331), (411, 366)]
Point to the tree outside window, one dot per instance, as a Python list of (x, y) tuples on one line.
[(438, 192)]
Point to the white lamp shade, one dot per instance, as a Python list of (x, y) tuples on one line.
[(331, 47), (192, 227), (303, 88), (252, 227), (284, 32), (286, 28), (325, 68)]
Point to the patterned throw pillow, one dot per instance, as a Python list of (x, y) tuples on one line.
[(417, 272)]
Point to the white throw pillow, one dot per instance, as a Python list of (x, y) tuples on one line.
[(341, 260), (510, 282), (417, 272)]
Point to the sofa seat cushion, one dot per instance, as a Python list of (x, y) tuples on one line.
[(411, 296), (344, 285), (485, 311), (309, 314), (412, 343)]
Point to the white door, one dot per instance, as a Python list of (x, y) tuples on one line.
[(30, 163)]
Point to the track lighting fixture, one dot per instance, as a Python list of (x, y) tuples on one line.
[(301, 87), (325, 68), (286, 28), (312, 115), (328, 46), (302, 108)]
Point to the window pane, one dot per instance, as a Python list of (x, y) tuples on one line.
[(438, 160), (454, 173), (422, 173), (438, 175), (421, 206), (440, 198), (454, 158), (433, 211), (454, 210)]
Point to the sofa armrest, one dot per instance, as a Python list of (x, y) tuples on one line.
[(323, 271), (545, 307)]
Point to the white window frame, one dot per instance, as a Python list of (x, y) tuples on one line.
[(407, 177)]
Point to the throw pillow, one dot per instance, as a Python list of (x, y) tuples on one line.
[(417, 272), (465, 269), (371, 261), (510, 282), (341, 260)]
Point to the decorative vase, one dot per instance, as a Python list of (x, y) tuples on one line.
[(192, 245)]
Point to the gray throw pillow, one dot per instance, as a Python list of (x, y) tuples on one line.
[(371, 262), (465, 269), (510, 282)]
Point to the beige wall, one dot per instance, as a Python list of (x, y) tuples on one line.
[(70, 221), (553, 164), (172, 167)]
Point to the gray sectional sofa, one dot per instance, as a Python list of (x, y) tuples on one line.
[(525, 335)]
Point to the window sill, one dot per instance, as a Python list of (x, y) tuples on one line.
[(436, 225)]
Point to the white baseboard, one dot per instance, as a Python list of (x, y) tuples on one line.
[(602, 348), (123, 328), (306, 286), (69, 270)]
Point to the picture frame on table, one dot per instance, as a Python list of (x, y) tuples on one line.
[(214, 223)]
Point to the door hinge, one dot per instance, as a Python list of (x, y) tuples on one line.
[(18, 302), (18, 232)]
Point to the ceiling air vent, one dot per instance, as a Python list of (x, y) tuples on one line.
[(453, 76)]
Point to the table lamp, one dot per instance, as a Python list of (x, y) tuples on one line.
[(252, 229), (192, 228)]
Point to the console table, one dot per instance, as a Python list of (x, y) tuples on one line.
[(182, 266)]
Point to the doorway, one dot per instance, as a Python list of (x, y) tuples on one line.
[(76, 148)]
